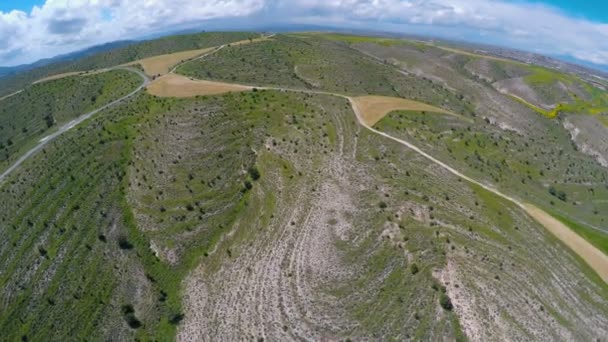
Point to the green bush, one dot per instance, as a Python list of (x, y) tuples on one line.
[(254, 173), (123, 243), (445, 302)]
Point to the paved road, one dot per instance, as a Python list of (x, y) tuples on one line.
[(47, 139)]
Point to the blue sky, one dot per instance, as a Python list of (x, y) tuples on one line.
[(596, 10), (577, 30), (22, 5)]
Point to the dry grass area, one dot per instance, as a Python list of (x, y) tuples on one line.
[(172, 85), (248, 41), (161, 65), (374, 108), (597, 260)]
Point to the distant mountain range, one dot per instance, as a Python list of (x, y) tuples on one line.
[(588, 70), (7, 71)]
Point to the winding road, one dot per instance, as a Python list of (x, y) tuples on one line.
[(66, 127)]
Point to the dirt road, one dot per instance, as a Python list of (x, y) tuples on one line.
[(47, 139)]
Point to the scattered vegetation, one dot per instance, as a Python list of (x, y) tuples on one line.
[(123, 55), (31, 114), (161, 200)]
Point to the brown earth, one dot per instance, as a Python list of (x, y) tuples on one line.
[(592, 256), (161, 65), (374, 108), (172, 85)]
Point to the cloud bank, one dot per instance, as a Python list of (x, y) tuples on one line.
[(61, 26)]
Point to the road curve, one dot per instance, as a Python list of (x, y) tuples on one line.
[(66, 127), (594, 257)]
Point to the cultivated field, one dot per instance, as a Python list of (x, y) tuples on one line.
[(180, 86), (160, 65), (374, 108)]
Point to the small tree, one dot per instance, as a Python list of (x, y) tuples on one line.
[(254, 173), (445, 302), (414, 268), (177, 318), (123, 243)]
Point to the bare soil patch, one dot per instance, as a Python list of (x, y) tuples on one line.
[(161, 65), (172, 85), (374, 108)]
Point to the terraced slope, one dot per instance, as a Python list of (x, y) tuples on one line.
[(271, 214), (29, 115), (68, 251)]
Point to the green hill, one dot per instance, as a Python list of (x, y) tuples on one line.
[(273, 214)]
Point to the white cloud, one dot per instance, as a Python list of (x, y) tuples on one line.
[(522, 25), (60, 26)]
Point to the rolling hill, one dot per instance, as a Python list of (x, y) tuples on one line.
[(303, 186)]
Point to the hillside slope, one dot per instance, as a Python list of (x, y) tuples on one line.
[(272, 214)]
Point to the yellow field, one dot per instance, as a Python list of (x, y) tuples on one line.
[(374, 108), (161, 65), (172, 85)]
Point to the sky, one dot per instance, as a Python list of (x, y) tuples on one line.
[(575, 30)]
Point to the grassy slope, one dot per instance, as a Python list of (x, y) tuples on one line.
[(61, 259), (522, 165), (123, 55), (548, 85), (231, 61), (29, 115), (307, 63)]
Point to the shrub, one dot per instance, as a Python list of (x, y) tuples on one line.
[(248, 185), (382, 205), (127, 309), (254, 173), (129, 314), (123, 243), (445, 302), (414, 268), (561, 195), (177, 318), (133, 322)]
